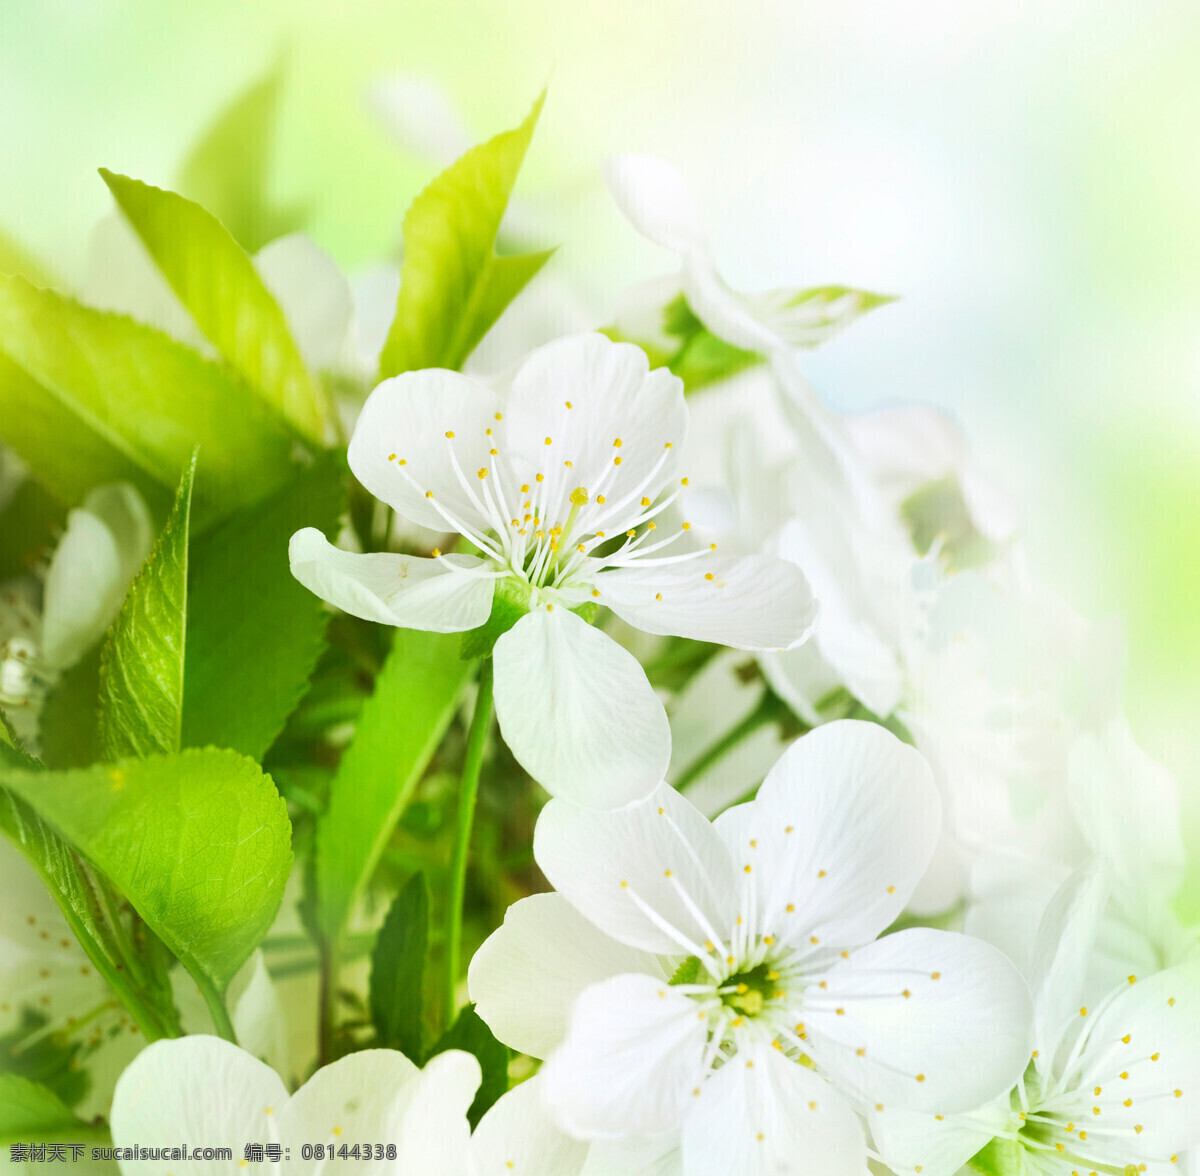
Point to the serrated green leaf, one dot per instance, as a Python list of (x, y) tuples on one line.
[(453, 286), (397, 993), (30, 1112), (469, 1033), (67, 727), (141, 667), (219, 285), (199, 843), (243, 600), (89, 397), (227, 170), (27, 527), (399, 729)]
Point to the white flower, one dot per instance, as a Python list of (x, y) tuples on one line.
[(560, 487), (1112, 1088), (684, 969), (205, 1091)]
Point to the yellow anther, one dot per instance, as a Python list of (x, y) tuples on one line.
[(436, 552), (548, 441), (493, 452), (651, 526), (567, 403), (709, 576), (499, 416), (645, 501), (595, 591), (616, 461), (525, 488), (617, 442), (658, 596), (450, 434), (428, 493), (1083, 1011), (482, 472), (391, 457), (601, 499), (790, 908), (540, 478), (567, 464), (920, 1077), (687, 526)]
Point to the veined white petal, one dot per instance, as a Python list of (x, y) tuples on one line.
[(518, 1138), (938, 1144), (420, 418), (840, 833), (762, 1114), (635, 1157), (577, 710), (632, 1059), (801, 677), (313, 294), (924, 1020), (443, 595), (526, 976), (756, 602), (654, 875), (200, 1089), (105, 542), (1150, 1032), (656, 200), (434, 1134), (587, 412)]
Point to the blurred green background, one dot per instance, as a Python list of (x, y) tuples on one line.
[(1025, 175)]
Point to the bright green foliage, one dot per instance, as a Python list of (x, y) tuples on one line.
[(453, 286), (68, 727), (399, 729), (27, 527), (1001, 1157), (510, 602), (29, 1112), (89, 397), (198, 842), (141, 668), (243, 602), (219, 285), (397, 997), (16, 259), (226, 171), (50, 1059), (469, 1033)]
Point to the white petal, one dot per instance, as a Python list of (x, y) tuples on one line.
[(1058, 965), (517, 1138), (801, 677), (526, 976), (1009, 895), (656, 200), (624, 421), (762, 1114), (635, 1157), (434, 1134), (655, 875), (960, 1037), (726, 313), (421, 118), (313, 294), (838, 836), (757, 602), (578, 712), (632, 1058), (374, 291), (410, 416), (938, 1145), (199, 1089), (443, 595), (1151, 1032), (257, 1014)]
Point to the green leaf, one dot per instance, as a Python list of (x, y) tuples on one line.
[(67, 727), (89, 397), (27, 527), (469, 1033), (30, 1050), (243, 602), (199, 843), (400, 728), (226, 171), (219, 285), (453, 286), (16, 259), (141, 667), (397, 997), (31, 1113)]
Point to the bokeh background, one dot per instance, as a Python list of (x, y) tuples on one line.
[(1026, 175)]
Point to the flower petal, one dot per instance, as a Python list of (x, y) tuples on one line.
[(654, 875), (443, 595), (923, 1020), (762, 1114), (633, 1057), (756, 602), (577, 710), (635, 1157), (428, 420), (656, 200), (587, 412), (838, 837), (435, 1135), (526, 976), (517, 1138), (200, 1089), (937, 1144)]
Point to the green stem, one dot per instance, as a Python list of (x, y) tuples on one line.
[(767, 711), (326, 1002), (216, 1007), (467, 793)]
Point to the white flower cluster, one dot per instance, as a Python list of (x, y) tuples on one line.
[(721, 987)]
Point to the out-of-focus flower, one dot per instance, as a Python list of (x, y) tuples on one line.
[(690, 974), (559, 485)]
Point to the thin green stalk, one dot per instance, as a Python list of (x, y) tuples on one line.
[(216, 1007), (468, 791), (326, 1001), (767, 711)]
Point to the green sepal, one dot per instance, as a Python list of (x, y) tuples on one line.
[(510, 603), (1001, 1157)]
